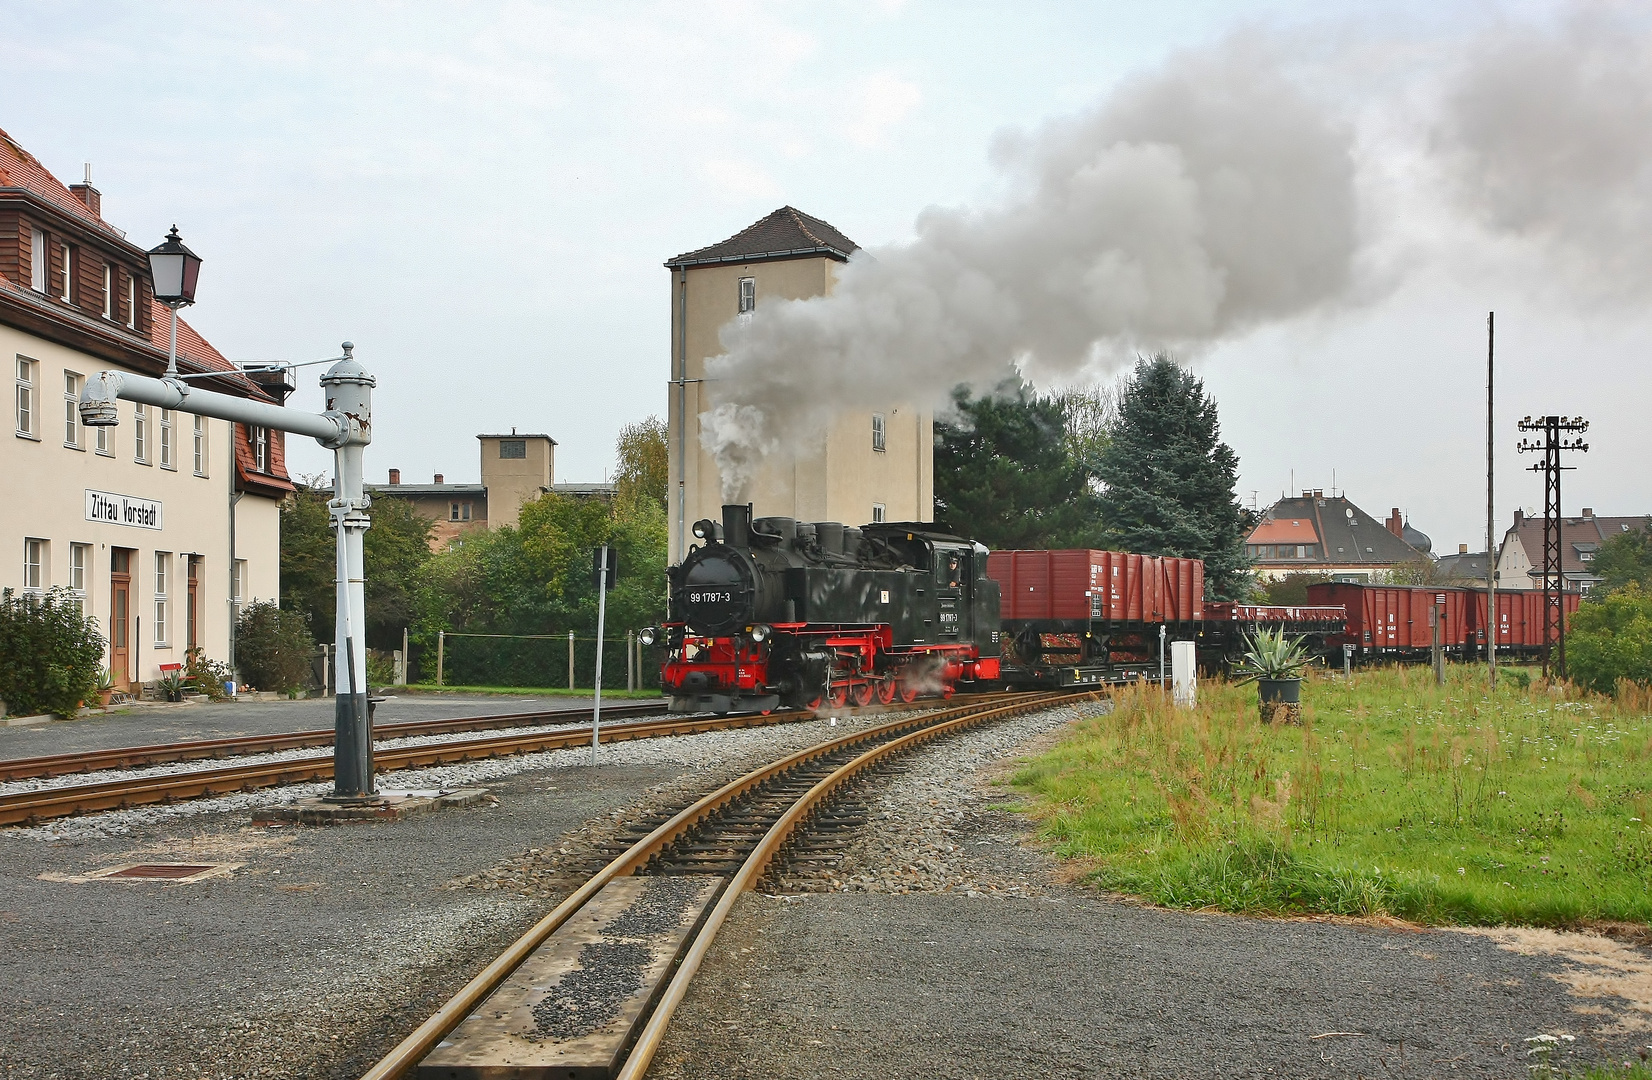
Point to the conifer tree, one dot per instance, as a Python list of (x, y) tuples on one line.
[(1170, 478)]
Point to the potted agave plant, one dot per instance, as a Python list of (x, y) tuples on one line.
[(104, 687), (1274, 662)]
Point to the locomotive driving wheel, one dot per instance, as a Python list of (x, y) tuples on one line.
[(908, 690), (860, 694), (886, 692), (838, 696)]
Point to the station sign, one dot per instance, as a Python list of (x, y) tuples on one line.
[(113, 509)]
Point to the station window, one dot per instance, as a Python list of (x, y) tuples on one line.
[(163, 567), (79, 554), (36, 572), (103, 441), (878, 441), (238, 581), (166, 439), (513, 448), (108, 291), (260, 437), (200, 445), (25, 398), (140, 434), (131, 301), (39, 260), (880, 512), (458, 511), (748, 296), (71, 410), (68, 274)]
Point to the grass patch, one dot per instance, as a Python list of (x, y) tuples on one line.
[(1440, 805), (525, 691)]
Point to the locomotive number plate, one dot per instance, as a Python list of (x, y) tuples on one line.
[(949, 616), (711, 597)]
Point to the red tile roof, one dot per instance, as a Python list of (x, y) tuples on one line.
[(21, 169), (786, 233)]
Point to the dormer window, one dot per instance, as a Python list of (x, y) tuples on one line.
[(38, 260), (108, 291), (260, 448), (68, 274), (131, 301)]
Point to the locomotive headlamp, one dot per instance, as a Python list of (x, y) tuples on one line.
[(704, 529), (646, 635), (760, 633)]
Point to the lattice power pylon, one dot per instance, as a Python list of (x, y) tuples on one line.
[(1555, 430)]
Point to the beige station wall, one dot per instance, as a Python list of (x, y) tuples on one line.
[(841, 476), (43, 487)]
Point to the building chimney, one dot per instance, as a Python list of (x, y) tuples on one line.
[(1318, 493), (395, 476), (1462, 549), (88, 194), (1519, 516), (1588, 511), (439, 479), (1395, 523)]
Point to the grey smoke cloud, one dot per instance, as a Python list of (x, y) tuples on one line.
[(1546, 135), (1194, 203)]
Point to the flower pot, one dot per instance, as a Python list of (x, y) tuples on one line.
[(105, 697), (1280, 699)]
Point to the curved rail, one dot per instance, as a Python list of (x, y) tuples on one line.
[(412, 1049)]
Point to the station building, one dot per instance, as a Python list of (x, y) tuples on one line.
[(163, 525), (870, 466)]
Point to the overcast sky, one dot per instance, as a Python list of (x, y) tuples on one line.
[(480, 197)]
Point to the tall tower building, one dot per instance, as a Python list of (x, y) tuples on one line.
[(869, 466)]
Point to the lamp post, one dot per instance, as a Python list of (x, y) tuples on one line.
[(174, 269)]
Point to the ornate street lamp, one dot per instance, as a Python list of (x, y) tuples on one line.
[(174, 269)]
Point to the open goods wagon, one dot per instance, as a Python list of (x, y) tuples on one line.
[(1393, 620), (1519, 619)]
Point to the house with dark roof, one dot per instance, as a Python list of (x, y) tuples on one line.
[(163, 525), (1520, 555), (872, 465), (1327, 534)]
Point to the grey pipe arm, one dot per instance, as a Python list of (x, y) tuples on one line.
[(97, 406)]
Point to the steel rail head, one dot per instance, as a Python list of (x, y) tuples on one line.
[(412, 1049)]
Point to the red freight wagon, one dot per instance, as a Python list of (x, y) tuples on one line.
[(1293, 618), (1394, 618), (1090, 586), (1519, 618)]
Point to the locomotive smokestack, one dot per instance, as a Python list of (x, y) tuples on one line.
[(737, 525)]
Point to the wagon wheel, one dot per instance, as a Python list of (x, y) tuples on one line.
[(839, 695), (947, 690), (886, 692), (908, 690), (860, 694)]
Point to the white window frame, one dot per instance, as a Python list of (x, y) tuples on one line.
[(131, 301), (102, 444), (880, 512), (880, 433), (68, 274), (26, 401), (108, 291), (163, 572), (40, 259), (746, 298), (166, 440), (80, 556), (140, 434), (200, 445), (37, 572), (238, 582), (71, 411), (260, 438)]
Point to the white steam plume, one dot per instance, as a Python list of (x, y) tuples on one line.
[(1547, 136), (1194, 203)]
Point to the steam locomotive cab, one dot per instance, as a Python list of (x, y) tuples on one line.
[(776, 612)]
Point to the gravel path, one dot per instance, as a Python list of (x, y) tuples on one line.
[(147, 724), (947, 946), (328, 943)]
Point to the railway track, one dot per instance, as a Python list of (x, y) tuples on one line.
[(69, 800), (137, 757), (677, 883)]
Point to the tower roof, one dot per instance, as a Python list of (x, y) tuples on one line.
[(788, 233)]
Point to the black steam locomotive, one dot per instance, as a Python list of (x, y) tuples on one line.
[(775, 612)]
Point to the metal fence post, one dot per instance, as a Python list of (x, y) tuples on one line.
[(441, 654), (1435, 629), (630, 667), (570, 659)]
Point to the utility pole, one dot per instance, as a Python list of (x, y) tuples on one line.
[(1491, 513), (345, 428), (1554, 430), (603, 567)]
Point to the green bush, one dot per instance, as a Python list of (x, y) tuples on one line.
[(51, 654), (1611, 639), (273, 648)]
